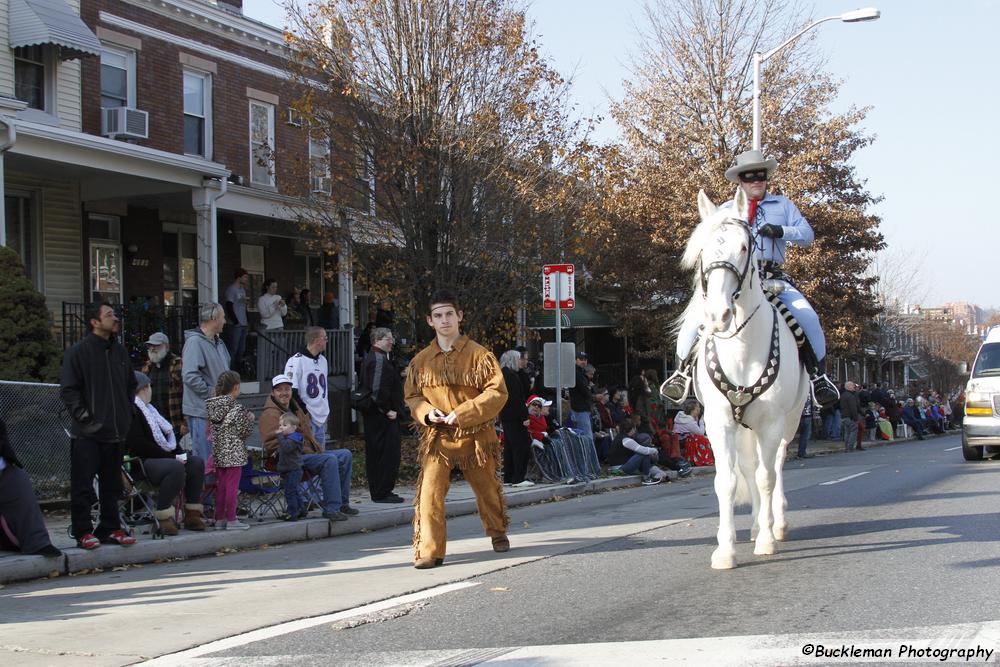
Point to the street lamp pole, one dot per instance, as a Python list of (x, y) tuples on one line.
[(855, 16)]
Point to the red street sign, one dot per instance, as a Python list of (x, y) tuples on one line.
[(565, 274)]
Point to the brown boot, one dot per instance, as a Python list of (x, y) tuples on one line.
[(427, 563), (193, 518), (501, 544), (167, 524)]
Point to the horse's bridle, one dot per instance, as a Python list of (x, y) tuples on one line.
[(741, 275)]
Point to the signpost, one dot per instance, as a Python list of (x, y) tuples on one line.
[(558, 292)]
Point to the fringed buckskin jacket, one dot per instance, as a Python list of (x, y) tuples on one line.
[(467, 380)]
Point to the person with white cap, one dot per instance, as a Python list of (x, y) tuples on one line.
[(333, 466), (775, 222), (165, 371)]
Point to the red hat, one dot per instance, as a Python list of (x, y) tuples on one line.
[(534, 397)]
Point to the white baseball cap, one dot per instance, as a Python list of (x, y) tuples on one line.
[(280, 379)]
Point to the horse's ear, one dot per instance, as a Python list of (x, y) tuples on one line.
[(706, 209), (741, 205)]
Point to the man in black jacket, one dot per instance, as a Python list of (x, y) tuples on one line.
[(382, 434), (97, 388), (581, 400)]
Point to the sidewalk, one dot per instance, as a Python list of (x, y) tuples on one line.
[(373, 516)]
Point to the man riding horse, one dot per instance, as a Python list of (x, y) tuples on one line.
[(775, 222)]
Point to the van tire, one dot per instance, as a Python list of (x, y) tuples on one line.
[(971, 453)]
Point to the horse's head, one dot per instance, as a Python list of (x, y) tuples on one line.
[(720, 251)]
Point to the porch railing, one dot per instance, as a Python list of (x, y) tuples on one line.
[(138, 323), (275, 347)]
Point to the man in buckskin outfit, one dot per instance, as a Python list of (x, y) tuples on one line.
[(455, 390)]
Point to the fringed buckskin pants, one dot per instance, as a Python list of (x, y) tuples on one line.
[(430, 531)]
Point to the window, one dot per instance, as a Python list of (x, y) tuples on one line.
[(22, 236), (30, 64), (365, 173), (307, 273), (198, 114), (261, 143), (117, 77), (319, 163)]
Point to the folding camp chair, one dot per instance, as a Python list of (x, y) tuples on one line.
[(261, 493)]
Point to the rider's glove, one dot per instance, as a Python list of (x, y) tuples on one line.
[(771, 231)]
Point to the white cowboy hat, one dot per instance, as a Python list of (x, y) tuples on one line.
[(750, 161)]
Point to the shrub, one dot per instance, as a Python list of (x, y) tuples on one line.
[(28, 351)]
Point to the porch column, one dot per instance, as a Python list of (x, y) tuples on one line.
[(345, 277), (203, 199), (5, 145)]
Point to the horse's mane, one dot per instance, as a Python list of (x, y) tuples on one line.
[(702, 233)]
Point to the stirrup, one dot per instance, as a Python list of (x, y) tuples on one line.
[(675, 388), (824, 391)]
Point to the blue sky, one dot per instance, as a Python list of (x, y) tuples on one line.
[(927, 69)]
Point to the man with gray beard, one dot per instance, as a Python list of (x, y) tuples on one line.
[(165, 378)]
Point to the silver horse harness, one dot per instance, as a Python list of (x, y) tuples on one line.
[(740, 396)]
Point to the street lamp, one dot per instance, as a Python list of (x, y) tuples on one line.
[(854, 16)]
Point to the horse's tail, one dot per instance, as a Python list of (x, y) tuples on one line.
[(742, 489)]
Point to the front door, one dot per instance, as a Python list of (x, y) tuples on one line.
[(180, 266)]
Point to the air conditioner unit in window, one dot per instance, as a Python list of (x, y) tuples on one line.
[(321, 184), (124, 123)]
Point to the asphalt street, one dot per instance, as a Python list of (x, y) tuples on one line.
[(891, 539), (895, 543)]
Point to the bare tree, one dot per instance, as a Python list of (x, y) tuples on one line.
[(898, 286), (448, 131)]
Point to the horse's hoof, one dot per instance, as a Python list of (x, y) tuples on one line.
[(723, 561), (765, 548)]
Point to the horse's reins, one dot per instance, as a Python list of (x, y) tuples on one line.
[(740, 397)]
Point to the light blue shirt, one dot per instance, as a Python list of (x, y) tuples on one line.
[(778, 210)]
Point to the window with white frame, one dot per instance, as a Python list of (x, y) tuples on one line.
[(198, 113), (33, 66), (365, 173), (319, 162), (261, 143), (117, 77)]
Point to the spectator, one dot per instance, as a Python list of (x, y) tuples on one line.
[(581, 401), (689, 420), (304, 308), (603, 437), (309, 372), (290, 464), (538, 426), (383, 435), (152, 439), (329, 312), (165, 371), (525, 370), (911, 417), (205, 358), (232, 424), (640, 396), (514, 419), (619, 407), (333, 467), (97, 388), (271, 307), (628, 456), (384, 316), (689, 424), (893, 411), (831, 420), (851, 411), (22, 526), (235, 304)]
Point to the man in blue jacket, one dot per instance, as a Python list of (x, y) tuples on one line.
[(97, 388), (775, 222)]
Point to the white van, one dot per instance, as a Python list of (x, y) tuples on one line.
[(981, 425)]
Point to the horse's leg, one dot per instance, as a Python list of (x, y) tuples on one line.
[(724, 556), (746, 458), (779, 503), (768, 441)]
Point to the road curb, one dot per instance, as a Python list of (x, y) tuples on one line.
[(21, 567)]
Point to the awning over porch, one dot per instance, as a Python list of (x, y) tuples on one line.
[(584, 316), (39, 22)]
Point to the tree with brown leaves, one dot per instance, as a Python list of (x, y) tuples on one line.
[(447, 131), (686, 113)]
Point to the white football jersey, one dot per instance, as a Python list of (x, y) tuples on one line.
[(310, 377)]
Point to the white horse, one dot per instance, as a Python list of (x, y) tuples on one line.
[(748, 376)]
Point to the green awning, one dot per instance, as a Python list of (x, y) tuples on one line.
[(583, 316)]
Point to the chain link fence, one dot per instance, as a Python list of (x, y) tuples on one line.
[(37, 425)]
